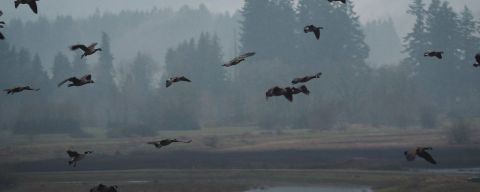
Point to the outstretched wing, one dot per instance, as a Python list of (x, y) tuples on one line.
[(288, 96), (79, 46), (477, 57), (317, 33), (87, 77), (1, 36), (72, 79), (249, 54), (183, 78), (92, 46), (33, 6), (72, 153), (424, 154), (168, 83)]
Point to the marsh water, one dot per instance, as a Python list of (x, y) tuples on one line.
[(313, 189)]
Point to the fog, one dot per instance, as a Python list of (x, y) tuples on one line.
[(367, 92)]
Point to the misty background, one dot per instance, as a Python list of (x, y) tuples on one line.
[(371, 54)]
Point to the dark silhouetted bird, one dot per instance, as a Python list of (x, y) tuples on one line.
[(31, 3), (172, 80), (437, 54), (306, 78), (75, 157), (1, 26), (312, 28), (90, 50), (287, 92), (104, 188), (343, 1), (19, 89), (165, 142), (238, 59), (477, 59), (86, 79), (421, 152)]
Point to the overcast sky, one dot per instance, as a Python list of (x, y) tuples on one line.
[(367, 9)]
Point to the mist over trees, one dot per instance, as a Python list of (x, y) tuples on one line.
[(129, 97)]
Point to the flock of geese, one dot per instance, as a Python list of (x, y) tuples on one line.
[(287, 92)]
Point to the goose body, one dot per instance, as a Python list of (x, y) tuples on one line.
[(239, 59), (314, 29), (170, 81), (165, 142), (306, 78), (31, 3), (90, 50), (19, 89), (74, 81), (421, 152), (287, 92), (104, 188), (343, 1), (477, 59), (437, 54), (75, 157)]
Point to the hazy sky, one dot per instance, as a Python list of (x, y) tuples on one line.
[(367, 9)]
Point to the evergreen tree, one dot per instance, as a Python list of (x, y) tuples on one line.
[(415, 41)]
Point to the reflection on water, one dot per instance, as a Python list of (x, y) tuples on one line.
[(313, 189)]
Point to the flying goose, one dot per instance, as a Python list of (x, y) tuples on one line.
[(172, 80), (31, 3), (312, 28), (287, 92), (165, 142), (238, 59), (90, 50), (306, 78), (421, 152), (1, 26), (437, 54), (75, 157), (19, 89), (104, 188), (477, 58), (74, 81), (343, 1)]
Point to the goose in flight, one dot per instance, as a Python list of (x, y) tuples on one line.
[(312, 28), (437, 54), (1, 26), (165, 142), (19, 89), (477, 59), (90, 50), (421, 152), (31, 3), (343, 1), (172, 80), (287, 92), (104, 188), (238, 59), (306, 78), (75, 157), (74, 81)]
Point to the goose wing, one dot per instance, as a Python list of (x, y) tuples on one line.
[(183, 78), (288, 96), (477, 57), (72, 153), (92, 46), (33, 6), (244, 56), (1, 36), (168, 83), (317, 33), (424, 154), (71, 79), (79, 46), (86, 77)]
